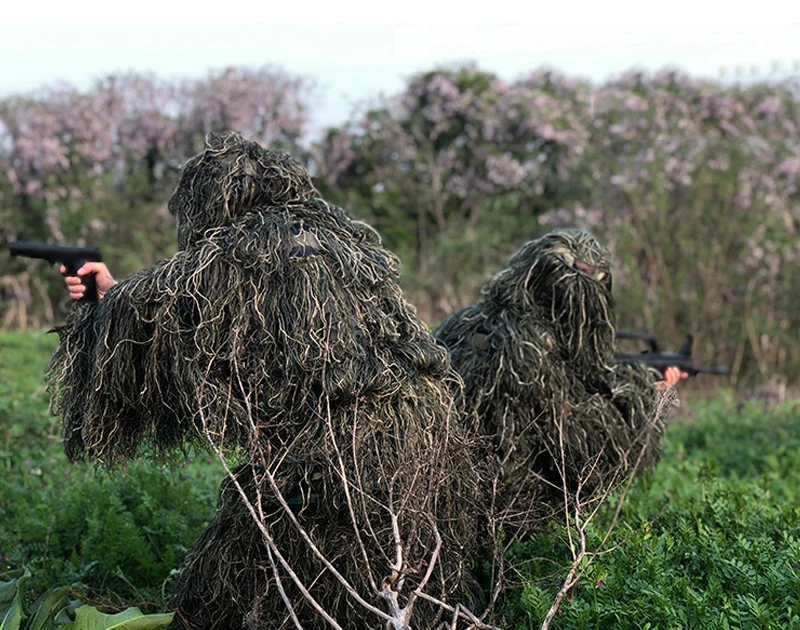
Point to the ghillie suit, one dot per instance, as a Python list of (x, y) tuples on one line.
[(279, 331), (537, 358)]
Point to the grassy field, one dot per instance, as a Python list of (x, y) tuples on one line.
[(709, 539), (117, 537)]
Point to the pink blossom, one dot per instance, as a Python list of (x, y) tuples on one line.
[(790, 166), (770, 106)]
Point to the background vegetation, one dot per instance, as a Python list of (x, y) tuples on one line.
[(695, 185)]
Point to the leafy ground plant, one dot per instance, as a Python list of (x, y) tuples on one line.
[(119, 536), (54, 610), (710, 539)]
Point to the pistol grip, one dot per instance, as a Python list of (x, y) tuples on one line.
[(89, 281)]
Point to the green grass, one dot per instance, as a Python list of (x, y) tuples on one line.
[(118, 537), (710, 539)]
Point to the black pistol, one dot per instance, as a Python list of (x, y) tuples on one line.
[(72, 258)]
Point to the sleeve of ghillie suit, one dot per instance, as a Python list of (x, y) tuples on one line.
[(634, 394), (96, 378), (150, 361), (613, 432), (109, 368)]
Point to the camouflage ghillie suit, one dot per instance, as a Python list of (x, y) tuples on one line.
[(279, 331), (537, 358)]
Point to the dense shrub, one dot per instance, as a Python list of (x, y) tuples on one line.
[(97, 166)]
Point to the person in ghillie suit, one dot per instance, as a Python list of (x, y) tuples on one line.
[(279, 333), (537, 356)]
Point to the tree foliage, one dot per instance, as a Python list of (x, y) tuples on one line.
[(454, 170), (694, 185), (98, 166)]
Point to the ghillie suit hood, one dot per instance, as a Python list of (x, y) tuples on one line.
[(563, 280), (279, 332), (223, 184), (537, 358)]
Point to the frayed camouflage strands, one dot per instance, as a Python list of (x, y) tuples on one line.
[(537, 358), (279, 331)]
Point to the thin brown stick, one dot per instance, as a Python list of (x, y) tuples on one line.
[(462, 612), (279, 585), (582, 558), (301, 530), (346, 487)]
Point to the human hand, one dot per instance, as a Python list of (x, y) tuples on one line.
[(672, 376), (102, 277)]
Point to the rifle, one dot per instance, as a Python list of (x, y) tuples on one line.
[(71, 257), (653, 357)]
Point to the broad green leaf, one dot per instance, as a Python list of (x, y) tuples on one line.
[(89, 618), (12, 617), (66, 615), (11, 602), (47, 606)]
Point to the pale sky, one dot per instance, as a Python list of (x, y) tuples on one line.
[(350, 63)]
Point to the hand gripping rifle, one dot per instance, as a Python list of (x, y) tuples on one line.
[(653, 357), (71, 257)]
